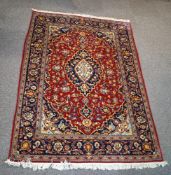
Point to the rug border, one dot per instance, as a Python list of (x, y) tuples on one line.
[(139, 66), (19, 81), (81, 15), (145, 89)]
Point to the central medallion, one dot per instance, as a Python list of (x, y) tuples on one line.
[(83, 71)]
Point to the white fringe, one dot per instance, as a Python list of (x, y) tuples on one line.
[(83, 15), (93, 166)]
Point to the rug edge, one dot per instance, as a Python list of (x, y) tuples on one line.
[(146, 92), (19, 85), (91, 166), (83, 15)]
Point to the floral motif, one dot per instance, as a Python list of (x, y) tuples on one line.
[(58, 146), (117, 147)]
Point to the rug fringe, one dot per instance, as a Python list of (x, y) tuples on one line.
[(93, 166), (83, 15)]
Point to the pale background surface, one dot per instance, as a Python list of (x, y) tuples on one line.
[(151, 20)]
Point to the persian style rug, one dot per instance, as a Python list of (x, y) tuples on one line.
[(82, 101)]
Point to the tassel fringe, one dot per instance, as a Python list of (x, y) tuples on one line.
[(92, 166)]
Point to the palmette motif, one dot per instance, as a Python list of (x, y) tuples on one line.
[(82, 97)]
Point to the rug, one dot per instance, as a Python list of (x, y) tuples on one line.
[(82, 101)]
